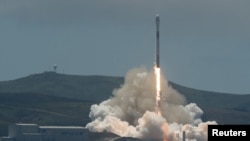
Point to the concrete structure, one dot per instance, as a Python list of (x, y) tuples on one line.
[(33, 132)]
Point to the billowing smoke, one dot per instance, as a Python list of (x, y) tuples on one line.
[(130, 112)]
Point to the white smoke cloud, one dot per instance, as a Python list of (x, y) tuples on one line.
[(130, 112)]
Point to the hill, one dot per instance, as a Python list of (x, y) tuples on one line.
[(50, 98), (96, 88)]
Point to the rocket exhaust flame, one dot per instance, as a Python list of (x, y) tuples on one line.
[(158, 99), (158, 90)]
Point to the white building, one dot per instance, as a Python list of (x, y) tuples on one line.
[(33, 132)]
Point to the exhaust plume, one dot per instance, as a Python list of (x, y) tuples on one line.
[(130, 112)]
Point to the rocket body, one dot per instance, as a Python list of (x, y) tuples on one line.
[(157, 67), (157, 50)]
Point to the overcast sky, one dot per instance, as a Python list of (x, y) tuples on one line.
[(205, 44)]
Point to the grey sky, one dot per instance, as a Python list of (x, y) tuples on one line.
[(204, 43)]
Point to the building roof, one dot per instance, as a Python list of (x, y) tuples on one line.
[(26, 124), (62, 127)]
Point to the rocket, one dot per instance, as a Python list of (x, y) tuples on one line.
[(157, 50)]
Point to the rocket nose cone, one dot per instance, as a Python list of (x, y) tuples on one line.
[(157, 18)]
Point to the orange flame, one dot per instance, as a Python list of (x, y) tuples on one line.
[(158, 89), (164, 126), (164, 129)]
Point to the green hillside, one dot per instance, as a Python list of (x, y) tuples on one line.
[(50, 98)]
